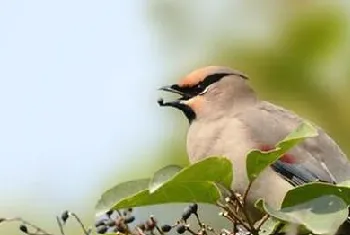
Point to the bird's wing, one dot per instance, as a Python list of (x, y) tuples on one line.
[(315, 159), (298, 174)]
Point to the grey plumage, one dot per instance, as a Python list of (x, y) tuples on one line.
[(228, 119)]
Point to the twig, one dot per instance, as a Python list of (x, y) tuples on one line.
[(211, 229), (244, 211), (234, 227), (227, 232), (119, 213), (159, 230), (60, 225), (155, 225), (18, 219), (262, 221), (140, 231), (86, 232), (200, 224), (191, 231), (236, 208), (241, 222), (234, 217)]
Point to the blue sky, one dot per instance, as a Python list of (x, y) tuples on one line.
[(78, 86)]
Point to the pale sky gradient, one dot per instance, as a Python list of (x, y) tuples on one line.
[(78, 90), (78, 86)]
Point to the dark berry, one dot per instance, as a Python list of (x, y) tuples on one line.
[(129, 219), (100, 222), (130, 209), (102, 229), (110, 222), (23, 228), (109, 213), (65, 216), (166, 228), (186, 214), (194, 208), (181, 229)]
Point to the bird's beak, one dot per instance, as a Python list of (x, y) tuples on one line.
[(173, 89), (179, 103), (177, 90)]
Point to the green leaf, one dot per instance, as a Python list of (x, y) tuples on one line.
[(258, 160), (173, 192), (117, 193), (344, 184), (195, 183), (322, 215), (313, 190), (269, 226), (275, 213), (163, 175), (212, 169)]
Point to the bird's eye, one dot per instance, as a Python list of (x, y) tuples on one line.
[(199, 88)]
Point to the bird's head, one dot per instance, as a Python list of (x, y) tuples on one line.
[(208, 92)]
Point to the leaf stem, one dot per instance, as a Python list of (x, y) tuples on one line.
[(247, 192), (86, 232), (60, 225)]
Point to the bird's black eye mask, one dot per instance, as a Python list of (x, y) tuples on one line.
[(187, 92)]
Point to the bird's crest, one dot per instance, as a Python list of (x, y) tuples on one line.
[(199, 75)]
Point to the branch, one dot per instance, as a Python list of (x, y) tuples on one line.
[(37, 228)]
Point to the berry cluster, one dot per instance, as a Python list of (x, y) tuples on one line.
[(117, 221), (32, 229), (124, 222)]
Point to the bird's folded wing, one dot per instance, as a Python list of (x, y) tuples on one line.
[(315, 159), (297, 174)]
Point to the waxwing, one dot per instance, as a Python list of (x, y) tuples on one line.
[(227, 118)]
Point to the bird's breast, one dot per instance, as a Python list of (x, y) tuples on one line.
[(218, 137), (226, 137)]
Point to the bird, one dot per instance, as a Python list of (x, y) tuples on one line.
[(227, 118)]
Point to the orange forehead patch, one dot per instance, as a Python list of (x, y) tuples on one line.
[(197, 76)]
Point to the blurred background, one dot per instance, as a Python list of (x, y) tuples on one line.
[(79, 79)]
